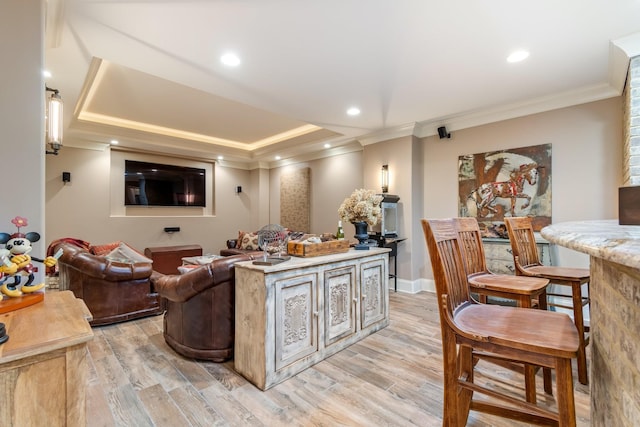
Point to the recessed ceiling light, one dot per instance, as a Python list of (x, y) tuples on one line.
[(46, 74), (220, 157), (517, 56), (327, 145), (230, 59), (114, 142), (353, 111), (278, 157)]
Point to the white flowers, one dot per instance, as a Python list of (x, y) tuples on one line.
[(362, 205)]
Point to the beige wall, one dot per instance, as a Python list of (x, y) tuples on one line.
[(400, 155), (22, 117), (332, 179), (87, 208)]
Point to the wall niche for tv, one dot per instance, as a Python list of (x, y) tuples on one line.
[(157, 184)]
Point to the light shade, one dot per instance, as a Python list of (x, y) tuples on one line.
[(384, 178), (54, 121)]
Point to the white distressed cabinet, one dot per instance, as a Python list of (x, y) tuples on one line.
[(292, 315)]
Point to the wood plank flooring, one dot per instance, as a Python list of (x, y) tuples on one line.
[(392, 378)]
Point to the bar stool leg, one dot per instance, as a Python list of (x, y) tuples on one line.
[(546, 372), (578, 317), (566, 404)]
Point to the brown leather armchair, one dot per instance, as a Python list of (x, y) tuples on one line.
[(199, 321), (113, 291)]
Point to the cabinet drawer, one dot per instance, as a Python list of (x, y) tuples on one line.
[(501, 251), (499, 257), (500, 266)]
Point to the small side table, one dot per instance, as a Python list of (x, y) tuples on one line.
[(391, 243)]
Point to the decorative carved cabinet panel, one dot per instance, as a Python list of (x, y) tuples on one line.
[(296, 318), (292, 315), (499, 257), (373, 305), (340, 294)]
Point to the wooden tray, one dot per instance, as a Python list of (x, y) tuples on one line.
[(317, 249)]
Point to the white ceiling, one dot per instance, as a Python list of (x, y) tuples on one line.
[(148, 73)]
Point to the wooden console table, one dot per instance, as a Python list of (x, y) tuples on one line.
[(43, 369), (292, 315), (500, 258)]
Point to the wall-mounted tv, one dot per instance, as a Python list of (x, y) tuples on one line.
[(155, 184)]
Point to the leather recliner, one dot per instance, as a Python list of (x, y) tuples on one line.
[(199, 321), (113, 291)]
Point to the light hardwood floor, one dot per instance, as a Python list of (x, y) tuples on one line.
[(392, 378)]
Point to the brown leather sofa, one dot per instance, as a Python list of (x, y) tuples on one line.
[(113, 291), (199, 321), (234, 249)]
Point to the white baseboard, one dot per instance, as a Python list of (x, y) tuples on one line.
[(414, 286)]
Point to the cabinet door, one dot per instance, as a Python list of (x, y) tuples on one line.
[(339, 306), (372, 292), (296, 318)]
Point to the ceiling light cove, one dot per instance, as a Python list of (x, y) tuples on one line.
[(517, 56), (230, 59), (353, 111)]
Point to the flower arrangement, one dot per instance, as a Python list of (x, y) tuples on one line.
[(362, 205)]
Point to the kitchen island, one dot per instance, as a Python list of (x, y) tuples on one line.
[(614, 252)]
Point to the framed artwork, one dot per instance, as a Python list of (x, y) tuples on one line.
[(498, 184)]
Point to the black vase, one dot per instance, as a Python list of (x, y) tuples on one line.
[(361, 235)]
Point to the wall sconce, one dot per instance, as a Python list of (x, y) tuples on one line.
[(384, 178), (54, 121)]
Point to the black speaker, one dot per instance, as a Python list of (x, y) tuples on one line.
[(442, 132), (66, 177)]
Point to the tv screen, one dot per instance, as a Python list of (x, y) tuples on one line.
[(155, 184)]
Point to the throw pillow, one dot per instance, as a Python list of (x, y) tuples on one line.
[(187, 268), (102, 250), (250, 242), (200, 260), (127, 255)]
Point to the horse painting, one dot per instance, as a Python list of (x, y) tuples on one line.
[(485, 196)]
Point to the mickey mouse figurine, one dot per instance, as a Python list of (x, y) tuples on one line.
[(16, 261)]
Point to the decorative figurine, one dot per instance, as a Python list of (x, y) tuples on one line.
[(16, 261)]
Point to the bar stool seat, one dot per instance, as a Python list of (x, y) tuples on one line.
[(526, 292)]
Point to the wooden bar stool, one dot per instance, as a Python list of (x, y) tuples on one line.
[(527, 263), (527, 292), (513, 334)]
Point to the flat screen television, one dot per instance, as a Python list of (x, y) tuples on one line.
[(155, 184)]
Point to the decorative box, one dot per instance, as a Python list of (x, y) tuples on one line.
[(300, 249)]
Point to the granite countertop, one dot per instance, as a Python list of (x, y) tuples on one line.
[(604, 239)]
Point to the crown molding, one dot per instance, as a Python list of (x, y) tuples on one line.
[(511, 111), (54, 23), (387, 134)]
